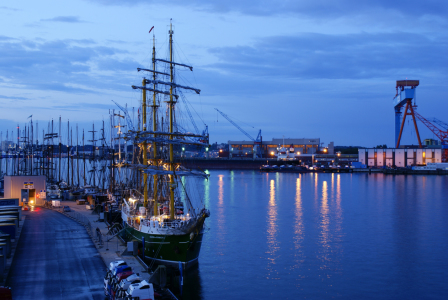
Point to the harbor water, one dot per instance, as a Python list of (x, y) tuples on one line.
[(322, 236)]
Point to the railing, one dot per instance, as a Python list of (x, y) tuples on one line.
[(82, 219)]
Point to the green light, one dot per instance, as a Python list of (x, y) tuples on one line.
[(183, 149), (206, 149)]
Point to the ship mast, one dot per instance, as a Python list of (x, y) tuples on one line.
[(154, 124), (145, 145), (171, 106)]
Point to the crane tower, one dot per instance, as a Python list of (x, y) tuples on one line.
[(403, 97)]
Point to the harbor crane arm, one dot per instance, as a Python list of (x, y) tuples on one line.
[(234, 124), (440, 123), (442, 135), (126, 115)]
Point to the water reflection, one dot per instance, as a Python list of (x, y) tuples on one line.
[(298, 226), (272, 230), (324, 228), (192, 287), (220, 215)]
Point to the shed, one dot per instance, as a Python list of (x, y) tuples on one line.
[(29, 189)]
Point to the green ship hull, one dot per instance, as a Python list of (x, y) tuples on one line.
[(166, 249)]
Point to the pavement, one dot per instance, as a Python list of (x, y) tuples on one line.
[(57, 255), (111, 250), (55, 258)]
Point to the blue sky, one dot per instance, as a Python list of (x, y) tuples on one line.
[(323, 69)]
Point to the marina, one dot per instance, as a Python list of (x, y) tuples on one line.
[(155, 150)]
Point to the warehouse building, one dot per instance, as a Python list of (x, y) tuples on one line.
[(29, 189), (399, 157), (271, 148)]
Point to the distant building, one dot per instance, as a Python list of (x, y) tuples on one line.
[(432, 142), (271, 148), (6, 144), (399, 157)]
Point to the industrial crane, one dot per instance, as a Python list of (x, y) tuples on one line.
[(440, 123), (441, 134), (257, 142), (404, 96)]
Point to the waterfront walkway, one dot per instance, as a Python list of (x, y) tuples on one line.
[(55, 259)]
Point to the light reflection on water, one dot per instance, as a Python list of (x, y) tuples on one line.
[(321, 236), (298, 226), (272, 229)]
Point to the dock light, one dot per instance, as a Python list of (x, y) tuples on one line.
[(325, 150), (272, 153), (183, 148), (220, 150), (339, 154), (206, 149), (32, 202), (298, 153)]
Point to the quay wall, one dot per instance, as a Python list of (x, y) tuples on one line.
[(228, 164)]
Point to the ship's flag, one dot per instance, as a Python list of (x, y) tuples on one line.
[(151, 29), (30, 116)]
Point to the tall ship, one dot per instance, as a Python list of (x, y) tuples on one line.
[(167, 213)]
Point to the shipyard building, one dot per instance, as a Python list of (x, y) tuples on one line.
[(399, 157), (271, 148)]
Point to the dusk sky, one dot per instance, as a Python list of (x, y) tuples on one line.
[(314, 69)]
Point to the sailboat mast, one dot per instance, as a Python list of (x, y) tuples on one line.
[(171, 106), (154, 124), (145, 146)]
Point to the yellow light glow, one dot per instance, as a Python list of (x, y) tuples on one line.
[(325, 150), (220, 150), (339, 154), (298, 153), (272, 153), (32, 201)]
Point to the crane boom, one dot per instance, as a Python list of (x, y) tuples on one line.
[(442, 135), (126, 115), (440, 123), (234, 124)]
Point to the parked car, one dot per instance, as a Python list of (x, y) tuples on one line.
[(67, 208)]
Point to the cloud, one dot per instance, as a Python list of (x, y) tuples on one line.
[(12, 97), (317, 8), (9, 8), (86, 106), (323, 56), (64, 19), (61, 65)]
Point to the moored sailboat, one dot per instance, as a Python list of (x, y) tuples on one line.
[(163, 215)]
